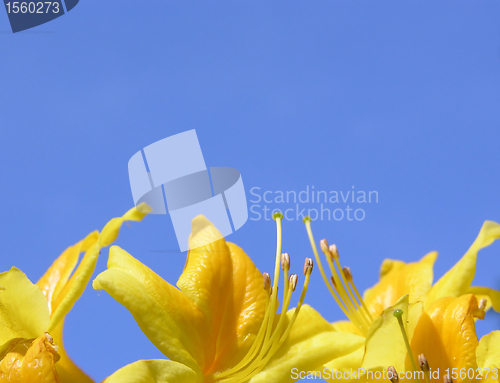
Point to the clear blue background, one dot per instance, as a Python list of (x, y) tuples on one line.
[(401, 97)]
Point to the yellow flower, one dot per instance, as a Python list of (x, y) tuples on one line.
[(32, 316), (438, 343), (445, 334), (398, 278), (437, 320), (221, 325)]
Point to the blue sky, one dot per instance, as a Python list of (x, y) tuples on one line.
[(398, 97)]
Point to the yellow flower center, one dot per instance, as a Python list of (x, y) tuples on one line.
[(422, 360), (271, 335), (345, 293), (425, 366), (29, 360), (341, 284)]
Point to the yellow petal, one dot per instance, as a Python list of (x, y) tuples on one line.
[(384, 346), (23, 307), (346, 363), (415, 310), (384, 343), (488, 351), (207, 275), (311, 343), (75, 286), (488, 357), (208, 270), (165, 315), (243, 313), (155, 371), (110, 231), (346, 326), (55, 278), (30, 361), (397, 279), (458, 279), (446, 334), (227, 288), (492, 296)]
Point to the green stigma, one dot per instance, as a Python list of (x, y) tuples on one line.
[(277, 215), (306, 219), (398, 313)]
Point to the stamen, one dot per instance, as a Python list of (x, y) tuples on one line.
[(332, 279), (447, 379), (308, 266), (347, 273), (344, 292), (271, 335), (299, 304), (358, 295), (392, 374), (267, 281), (307, 221), (324, 246), (49, 338), (482, 304), (480, 312), (285, 261), (362, 319), (334, 251), (52, 345), (277, 345), (293, 281), (422, 361), (363, 310), (399, 316), (424, 365)]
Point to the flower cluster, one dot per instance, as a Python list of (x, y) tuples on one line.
[(407, 323), (222, 322)]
